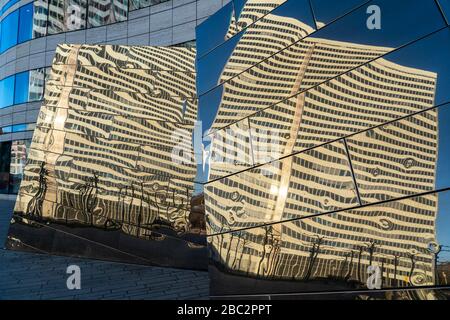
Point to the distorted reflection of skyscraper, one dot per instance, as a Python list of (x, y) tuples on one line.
[(394, 236), (112, 147)]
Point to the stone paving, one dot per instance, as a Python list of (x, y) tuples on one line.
[(38, 276)]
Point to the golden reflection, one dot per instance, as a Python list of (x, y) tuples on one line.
[(307, 98), (112, 149)]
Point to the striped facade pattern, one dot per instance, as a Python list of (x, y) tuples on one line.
[(112, 147), (286, 91)]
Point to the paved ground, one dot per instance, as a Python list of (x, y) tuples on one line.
[(36, 276)]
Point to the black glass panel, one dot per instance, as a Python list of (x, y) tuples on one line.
[(5, 156)]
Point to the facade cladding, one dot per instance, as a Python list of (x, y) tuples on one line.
[(110, 172), (327, 154), (30, 32), (323, 167)]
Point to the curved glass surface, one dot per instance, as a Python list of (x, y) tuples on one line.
[(110, 172), (23, 87), (7, 5), (140, 4), (13, 163), (325, 154), (10, 29), (42, 17)]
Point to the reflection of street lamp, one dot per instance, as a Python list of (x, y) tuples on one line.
[(435, 248)]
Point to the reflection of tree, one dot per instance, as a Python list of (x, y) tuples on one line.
[(358, 268), (88, 198), (34, 208), (141, 210), (347, 265), (395, 269), (233, 265), (267, 231), (244, 242), (412, 257), (161, 206), (371, 249), (313, 253), (276, 256), (350, 269)]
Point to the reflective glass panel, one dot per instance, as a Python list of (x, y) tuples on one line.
[(40, 18), (66, 15), (19, 150), (349, 89), (325, 54), (249, 11), (7, 91), (134, 4), (326, 11), (5, 161), (36, 85), (10, 28), (26, 23), (445, 6), (314, 182), (102, 12), (21, 87), (402, 158), (391, 245), (8, 5), (110, 164), (6, 129), (214, 31)]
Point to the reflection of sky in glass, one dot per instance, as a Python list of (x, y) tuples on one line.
[(445, 6), (443, 178), (326, 11), (212, 32), (238, 7), (402, 21)]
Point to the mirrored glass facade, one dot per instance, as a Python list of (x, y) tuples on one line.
[(25, 65), (325, 148), (47, 17), (23, 87), (299, 151), (110, 171)]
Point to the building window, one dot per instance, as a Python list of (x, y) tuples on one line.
[(66, 15), (7, 91), (40, 18), (103, 12), (5, 162), (9, 31), (26, 23), (21, 88)]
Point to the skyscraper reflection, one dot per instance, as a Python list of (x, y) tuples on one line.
[(112, 150), (285, 167)]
